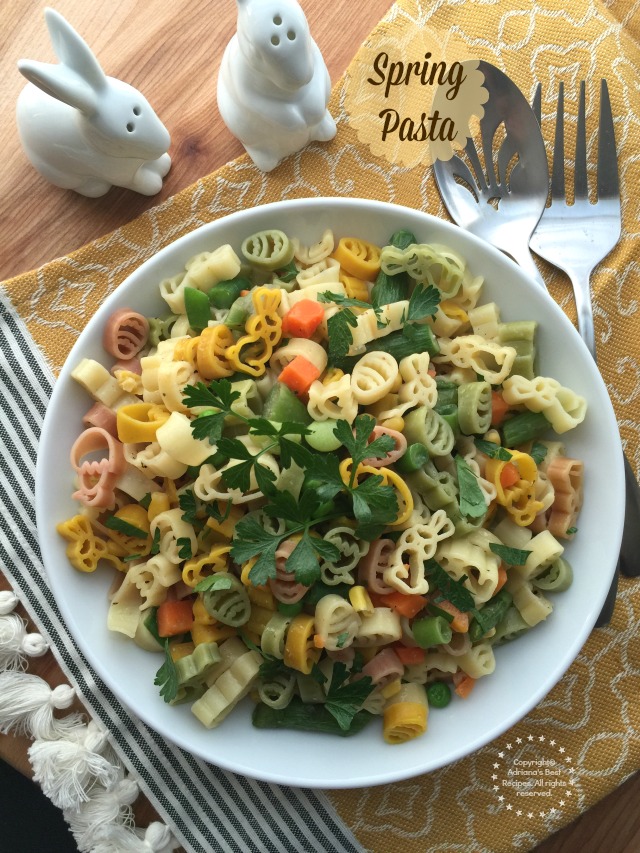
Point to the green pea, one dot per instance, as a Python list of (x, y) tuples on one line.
[(438, 694)]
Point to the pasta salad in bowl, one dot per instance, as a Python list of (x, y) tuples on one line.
[(332, 478)]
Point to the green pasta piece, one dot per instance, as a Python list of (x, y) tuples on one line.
[(521, 336), (310, 690), (321, 436), (510, 627), (524, 427), (193, 669), (231, 605), (268, 250), (462, 523), (303, 717), (474, 408), (557, 578), (402, 239), (156, 326), (239, 312), (450, 414), (188, 694), (274, 635), (277, 692), (437, 488), (490, 615), (393, 288), (429, 428)]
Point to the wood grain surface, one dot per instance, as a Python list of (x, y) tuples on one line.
[(171, 52)]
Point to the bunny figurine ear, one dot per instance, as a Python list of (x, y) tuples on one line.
[(72, 51), (61, 83)]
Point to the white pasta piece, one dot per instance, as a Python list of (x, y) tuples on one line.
[(470, 291), (172, 377), (134, 483), (415, 545), (172, 291), (230, 650), (363, 332), (562, 407), (225, 693), (336, 622), (175, 436), (378, 628), (180, 329), (478, 661), (545, 550), (433, 665), (472, 557), (97, 381), (352, 549), (333, 401), (312, 351), (442, 325), (208, 268), (544, 491), (512, 535), (248, 404), (312, 291), (554, 449), (309, 255), (151, 579), (171, 527), (419, 387), (124, 609), (485, 320), (373, 377), (152, 461), (323, 272), (532, 605), (209, 486), (489, 359)]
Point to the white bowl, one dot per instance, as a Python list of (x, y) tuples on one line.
[(526, 669)]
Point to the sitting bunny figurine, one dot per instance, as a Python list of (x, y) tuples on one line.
[(83, 130), (273, 85)]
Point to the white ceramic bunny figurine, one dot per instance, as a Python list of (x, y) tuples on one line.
[(273, 85), (83, 130)]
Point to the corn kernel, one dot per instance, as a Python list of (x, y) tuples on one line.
[(225, 528), (396, 423), (180, 650), (391, 689), (159, 503)]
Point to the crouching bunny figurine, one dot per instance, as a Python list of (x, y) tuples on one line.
[(83, 130), (273, 85)]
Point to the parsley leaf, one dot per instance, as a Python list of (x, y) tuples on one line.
[(344, 700), (208, 427), (538, 452), (511, 556), (423, 303), (356, 440), (472, 502), (493, 450), (167, 676), (571, 531), (303, 562), (339, 332), (450, 589), (188, 505), (184, 544), (122, 526), (218, 580), (218, 394), (155, 544), (288, 273)]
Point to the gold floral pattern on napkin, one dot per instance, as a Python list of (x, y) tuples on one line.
[(592, 716)]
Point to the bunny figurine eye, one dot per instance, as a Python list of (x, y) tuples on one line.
[(83, 130), (273, 85)]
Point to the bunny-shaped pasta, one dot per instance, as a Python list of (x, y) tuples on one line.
[(273, 86), (83, 130)]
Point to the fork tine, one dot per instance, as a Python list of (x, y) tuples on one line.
[(607, 158), (536, 104), (557, 174), (581, 188)]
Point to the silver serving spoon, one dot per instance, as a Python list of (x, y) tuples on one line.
[(500, 195)]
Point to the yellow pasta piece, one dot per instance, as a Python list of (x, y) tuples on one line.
[(85, 549), (354, 287), (263, 333), (130, 382), (358, 258), (257, 621), (201, 633), (180, 650), (198, 568), (159, 503), (262, 597), (299, 651), (138, 423), (186, 350), (211, 352), (200, 613), (405, 714), (396, 423), (226, 527), (360, 601)]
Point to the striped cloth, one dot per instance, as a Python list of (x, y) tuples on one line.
[(207, 808)]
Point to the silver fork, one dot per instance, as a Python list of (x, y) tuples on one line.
[(576, 238)]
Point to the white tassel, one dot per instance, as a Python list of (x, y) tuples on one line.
[(107, 809), (157, 838), (16, 643), (8, 601), (27, 706), (67, 769)]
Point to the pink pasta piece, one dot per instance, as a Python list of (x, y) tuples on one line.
[(373, 564), (385, 667), (125, 333), (393, 455), (97, 477), (345, 656), (101, 416), (284, 586)]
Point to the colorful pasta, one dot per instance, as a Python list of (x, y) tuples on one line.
[(304, 487)]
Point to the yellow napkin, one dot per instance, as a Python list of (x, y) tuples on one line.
[(587, 724)]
